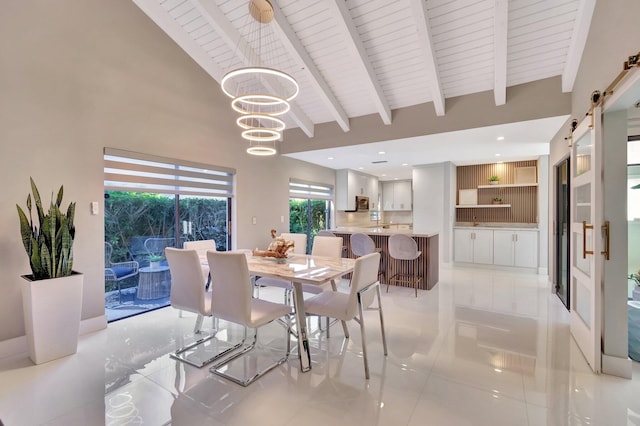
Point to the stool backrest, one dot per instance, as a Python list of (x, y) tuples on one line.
[(403, 247), (362, 244)]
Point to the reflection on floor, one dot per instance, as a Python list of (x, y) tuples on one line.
[(126, 304), (483, 348)]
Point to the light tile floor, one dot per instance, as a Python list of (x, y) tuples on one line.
[(483, 348)]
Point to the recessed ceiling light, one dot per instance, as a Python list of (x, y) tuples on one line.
[(381, 152), (360, 168), (329, 158), (383, 175), (395, 178), (497, 155), (405, 164), (500, 138)]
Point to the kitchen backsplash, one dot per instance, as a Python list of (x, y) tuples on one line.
[(364, 218), (353, 219)]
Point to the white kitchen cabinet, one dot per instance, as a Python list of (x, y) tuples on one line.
[(515, 248), (350, 184), (473, 245), (525, 252), (373, 193), (397, 196)]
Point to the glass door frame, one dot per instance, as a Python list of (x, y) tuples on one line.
[(562, 265)]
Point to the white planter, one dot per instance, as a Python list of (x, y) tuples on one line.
[(52, 310)]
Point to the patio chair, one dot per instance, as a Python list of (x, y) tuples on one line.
[(155, 247), (116, 272)]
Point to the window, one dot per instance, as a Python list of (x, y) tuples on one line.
[(309, 208), (152, 203)]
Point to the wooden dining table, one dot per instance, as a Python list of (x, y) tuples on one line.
[(301, 269)]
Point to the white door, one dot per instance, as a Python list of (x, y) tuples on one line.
[(525, 249), (503, 247), (402, 195), (483, 246), (462, 245), (586, 241), (387, 196)]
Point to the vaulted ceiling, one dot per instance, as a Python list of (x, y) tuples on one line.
[(359, 57)]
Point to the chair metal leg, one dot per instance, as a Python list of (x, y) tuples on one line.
[(246, 382), (198, 326), (384, 337), (178, 353), (345, 329), (360, 320)]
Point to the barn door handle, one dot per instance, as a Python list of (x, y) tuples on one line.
[(605, 228), (585, 252)]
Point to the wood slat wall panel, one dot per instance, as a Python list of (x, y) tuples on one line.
[(523, 200), (427, 262)]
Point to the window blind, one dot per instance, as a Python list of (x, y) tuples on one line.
[(136, 172), (310, 190)]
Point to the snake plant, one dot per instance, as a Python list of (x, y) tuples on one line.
[(49, 243)]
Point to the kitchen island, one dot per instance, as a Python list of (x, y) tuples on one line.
[(427, 244)]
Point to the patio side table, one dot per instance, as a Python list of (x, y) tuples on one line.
[(154, 283)]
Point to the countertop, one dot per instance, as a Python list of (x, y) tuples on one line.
[(505, 226), (384, 231)]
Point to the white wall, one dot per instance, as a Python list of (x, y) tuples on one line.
[(430, 211), (81, 75)]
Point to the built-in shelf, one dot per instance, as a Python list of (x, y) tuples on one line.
[(482, 206), (508, 185)]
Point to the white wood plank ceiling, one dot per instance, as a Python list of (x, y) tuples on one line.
[(358, 57)]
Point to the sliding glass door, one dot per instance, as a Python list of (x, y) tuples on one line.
[(562, 231)]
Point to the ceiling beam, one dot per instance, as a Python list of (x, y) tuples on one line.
[(159, 15), (354, 44), (578, 41), (500, 23), (292, 43), (232, 37), (426, 43)]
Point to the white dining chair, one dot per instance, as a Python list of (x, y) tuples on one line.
[(188, 294), (348, 306), (327, 233), (201, 247), (325, 246), (404, 248), (233, 301), (300, 247)]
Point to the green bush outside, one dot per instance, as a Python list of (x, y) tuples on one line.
[(131, 217)]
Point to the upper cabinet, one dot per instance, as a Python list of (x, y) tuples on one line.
[(350, 184), (396, 196)]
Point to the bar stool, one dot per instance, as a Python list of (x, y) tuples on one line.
[(403, 247), (362, 244)]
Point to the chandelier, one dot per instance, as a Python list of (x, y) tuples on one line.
[(259, 93)]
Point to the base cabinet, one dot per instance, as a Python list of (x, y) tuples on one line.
[(500, 247), (473, 246)]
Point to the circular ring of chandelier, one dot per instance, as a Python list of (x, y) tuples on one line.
[(268, 122), (261, 150), (261, 135), (288, 83), (263, 104)]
